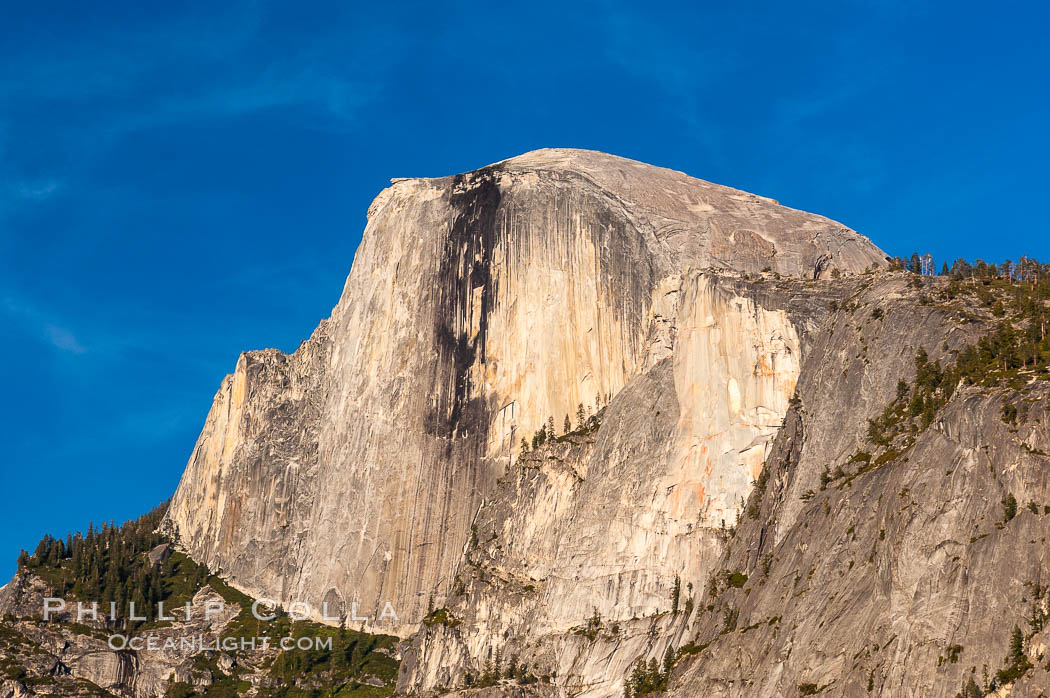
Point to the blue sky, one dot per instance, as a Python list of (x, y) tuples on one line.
[(180, 183)]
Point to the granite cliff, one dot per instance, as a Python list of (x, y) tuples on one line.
[(597, 428), (478, 307)]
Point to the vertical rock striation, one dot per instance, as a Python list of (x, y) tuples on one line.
[(597, 527)]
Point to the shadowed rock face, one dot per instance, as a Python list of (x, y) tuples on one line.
[(478, 306)]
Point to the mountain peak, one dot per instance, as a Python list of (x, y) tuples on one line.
[(695, 223)]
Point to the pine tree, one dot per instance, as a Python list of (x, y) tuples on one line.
[(42, 548), (111, 585), (568, 425), (488, 676), (1017, 655), (971, 690), (902, 390), (339, 646)]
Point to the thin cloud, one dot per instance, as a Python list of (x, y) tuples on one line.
[(63, 339), (45, 327), (327, 95), (166, 75), (36, 190), (117, 82)]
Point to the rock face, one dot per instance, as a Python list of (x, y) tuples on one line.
[(902, 580), (907, 580), (719, 500), (602, 524), (478, 306), (76, 657)]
